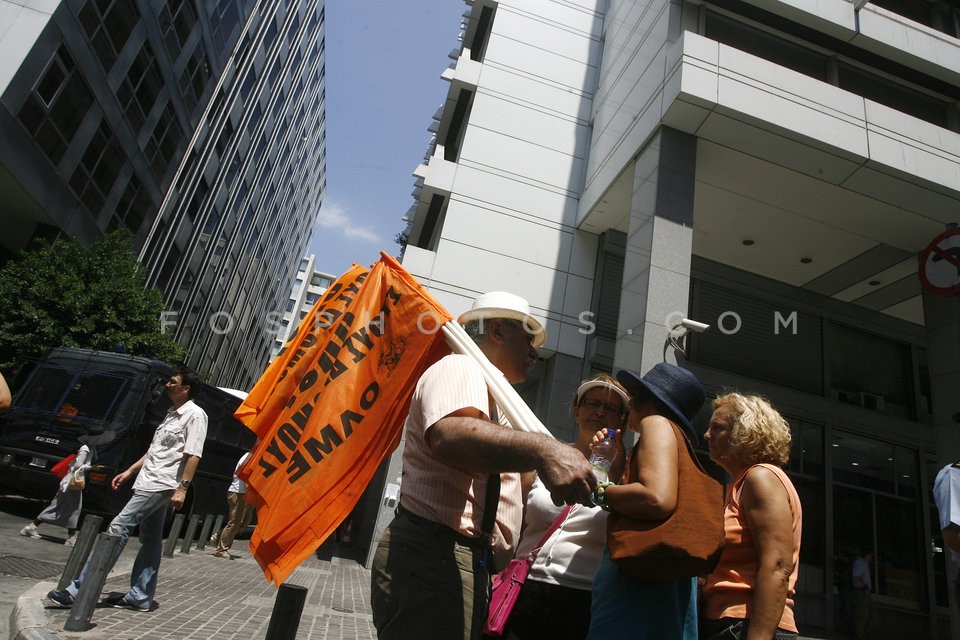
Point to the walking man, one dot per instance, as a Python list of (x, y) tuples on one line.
[(431, 571), (240, 512), (163, 475)]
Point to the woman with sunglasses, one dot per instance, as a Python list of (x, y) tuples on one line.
[(555, 600)]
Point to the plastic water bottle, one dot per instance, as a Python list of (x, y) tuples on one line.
[(602, 456)]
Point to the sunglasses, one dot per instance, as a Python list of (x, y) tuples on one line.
[(609, 407)]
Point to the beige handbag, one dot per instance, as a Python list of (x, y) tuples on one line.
[(77, 482)]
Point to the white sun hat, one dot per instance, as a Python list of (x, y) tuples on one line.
[(593, 384), (501, 304)]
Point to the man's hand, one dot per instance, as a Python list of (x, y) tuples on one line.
[(178, 497), (566, 473), (119, 479)]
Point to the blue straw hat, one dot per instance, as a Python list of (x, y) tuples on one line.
[(678, 389)]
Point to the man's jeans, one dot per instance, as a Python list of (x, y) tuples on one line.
[(147, 509)]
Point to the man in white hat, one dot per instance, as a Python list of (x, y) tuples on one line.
[(432, 567)]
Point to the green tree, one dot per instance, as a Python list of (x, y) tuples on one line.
[(66, 294)]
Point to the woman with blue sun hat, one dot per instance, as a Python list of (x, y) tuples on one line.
[(663, 404)]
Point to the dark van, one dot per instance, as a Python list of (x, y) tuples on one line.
[(73, 392)]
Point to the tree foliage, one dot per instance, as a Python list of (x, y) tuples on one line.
[(95, 297)]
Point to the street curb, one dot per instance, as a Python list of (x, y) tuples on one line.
[(28, 620)]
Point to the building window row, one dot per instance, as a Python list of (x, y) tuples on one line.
[(827, 358), (942, 15), (834, 63)]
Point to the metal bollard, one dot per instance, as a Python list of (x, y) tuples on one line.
[(218, 525), (188, 536), (104, 556), (287, 609), (85, 540), (205, 532), (174, 534)]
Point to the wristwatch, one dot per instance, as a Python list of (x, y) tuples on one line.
[(185, 484)]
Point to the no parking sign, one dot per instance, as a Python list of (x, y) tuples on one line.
[(940, 264)]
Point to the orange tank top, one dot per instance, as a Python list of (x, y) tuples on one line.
[(728, 591)]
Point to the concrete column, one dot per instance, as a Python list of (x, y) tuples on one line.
[(942, 317), (656, 272)]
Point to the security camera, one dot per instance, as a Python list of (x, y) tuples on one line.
[(693, 325)]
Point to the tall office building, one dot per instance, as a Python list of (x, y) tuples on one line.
[(198, 127), (308, 286), (783, 171)]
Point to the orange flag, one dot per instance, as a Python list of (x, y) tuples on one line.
[(330, 408)]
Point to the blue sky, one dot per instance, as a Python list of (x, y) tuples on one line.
[(383, 66)]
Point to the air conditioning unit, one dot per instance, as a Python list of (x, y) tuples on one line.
[(871, 401)]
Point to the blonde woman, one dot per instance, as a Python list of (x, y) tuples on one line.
[(749, 596)]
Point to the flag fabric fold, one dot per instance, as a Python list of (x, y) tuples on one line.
[(331, 406)]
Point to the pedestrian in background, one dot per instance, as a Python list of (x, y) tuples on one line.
[(662, 402), (555, 600), (64, 509), (863, 611), (750, 592), (163, 475), (240, 512)]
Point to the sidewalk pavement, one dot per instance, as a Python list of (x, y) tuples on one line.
[(204, 597), (208, 598)]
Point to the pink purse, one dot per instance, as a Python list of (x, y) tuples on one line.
[(507, 583)]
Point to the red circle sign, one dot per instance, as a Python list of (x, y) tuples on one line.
[(940, 264)]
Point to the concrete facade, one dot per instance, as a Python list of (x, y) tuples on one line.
[(773, 169)]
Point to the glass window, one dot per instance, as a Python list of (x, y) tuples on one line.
[(52, 113), (108, 26), (161, 146), (806, 471), (194, 77), (769, 46), (224, 20), (939, 551), (870, 371), (870, 512), (892, 94), (134, 204), (139, 89), (94, 176), (862, 462)]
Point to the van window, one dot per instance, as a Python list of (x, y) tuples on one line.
[(84, 396)]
